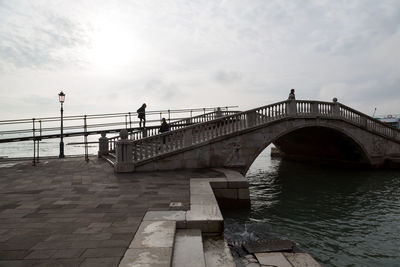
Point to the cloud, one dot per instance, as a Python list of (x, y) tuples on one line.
[(33, 37), (227, 77), (199, 53)]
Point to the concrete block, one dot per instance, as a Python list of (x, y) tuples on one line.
[(200, 187), (228, 193), (176, 215), (238, 183), (157, 257), (217, 252), (243, 193), (273, 259), (208, 218), (215, 182), (203, 199), (188, 250), (204, 212), (206, 226), (154, 234), (229, 173), (179, 216), (301, 260)]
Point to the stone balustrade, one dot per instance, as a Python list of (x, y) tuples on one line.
[(208, 127), (203, 132)]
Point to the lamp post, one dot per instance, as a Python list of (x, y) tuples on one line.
[(61, 98)]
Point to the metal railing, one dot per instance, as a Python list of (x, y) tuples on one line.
[(38, 129), (149, 147)]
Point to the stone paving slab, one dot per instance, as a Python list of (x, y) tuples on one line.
[(174, 215), (154, 234), (154, 257), (272, 259), (66, 212)]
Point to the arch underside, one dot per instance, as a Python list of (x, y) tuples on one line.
[(321, 144)]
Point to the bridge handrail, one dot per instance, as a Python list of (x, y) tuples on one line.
[(153, 130), (197, 133), (202, 132)]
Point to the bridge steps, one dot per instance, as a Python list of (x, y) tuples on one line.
[(188, 249), (183, 238), (110, 158)]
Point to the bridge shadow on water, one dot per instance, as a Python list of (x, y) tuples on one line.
[(337, 214)]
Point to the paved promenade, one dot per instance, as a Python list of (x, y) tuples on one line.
[(72, 213)]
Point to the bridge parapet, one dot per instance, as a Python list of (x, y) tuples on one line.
[(153, 130), (200, 133)]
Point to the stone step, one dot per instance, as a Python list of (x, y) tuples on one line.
[(110, 158), (152, 245), (188, 249), (217, 252)]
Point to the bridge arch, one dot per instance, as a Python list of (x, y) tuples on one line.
[(288, 138)]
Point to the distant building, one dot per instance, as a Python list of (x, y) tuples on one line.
[(391, 120)]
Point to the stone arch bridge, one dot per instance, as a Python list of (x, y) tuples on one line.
[(328, 131)]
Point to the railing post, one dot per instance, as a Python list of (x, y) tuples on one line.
[(363, 121), (123, 151), (85, 138), (34, 142), (103, 145), (314, 109), (291, 107), (335, 108)]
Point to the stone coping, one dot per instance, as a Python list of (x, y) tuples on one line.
[(153, 243)]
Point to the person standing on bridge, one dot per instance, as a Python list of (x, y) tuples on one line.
[(142, 115), (291, 95), (164, 128)]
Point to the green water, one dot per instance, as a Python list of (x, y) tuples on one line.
[(341, 217)]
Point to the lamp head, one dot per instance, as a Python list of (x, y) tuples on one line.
[(61, 97)]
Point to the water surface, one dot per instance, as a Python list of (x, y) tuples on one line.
[(342, 217)]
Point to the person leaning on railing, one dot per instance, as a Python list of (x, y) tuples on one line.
[(164, 128)]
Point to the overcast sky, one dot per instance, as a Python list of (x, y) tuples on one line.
[(111, 56)]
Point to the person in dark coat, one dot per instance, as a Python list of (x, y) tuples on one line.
[(142, 115), (291, 95), (164, 128)]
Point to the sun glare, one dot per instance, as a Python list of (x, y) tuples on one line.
[(112, 47)]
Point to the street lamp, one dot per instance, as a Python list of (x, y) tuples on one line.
[(61, 97)]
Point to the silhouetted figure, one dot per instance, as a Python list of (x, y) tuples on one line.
[(142, 115), (218, 113), (291, 95), (164, 128)]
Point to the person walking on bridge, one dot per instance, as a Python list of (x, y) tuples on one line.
[(291, 95), (142, 115)]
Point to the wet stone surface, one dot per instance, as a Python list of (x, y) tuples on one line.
[(269, 245), (68, 212)]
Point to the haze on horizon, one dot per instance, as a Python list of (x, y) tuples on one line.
[(112, 56)]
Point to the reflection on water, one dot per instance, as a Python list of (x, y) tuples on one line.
[(340, 216)]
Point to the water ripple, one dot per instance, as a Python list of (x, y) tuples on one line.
[(341, 217)]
